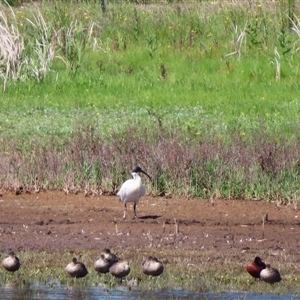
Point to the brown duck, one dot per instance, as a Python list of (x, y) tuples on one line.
[(120, 269), (152, 266), (255, 267), (76, 269), (11, 263), (270, 275), (105, 261)]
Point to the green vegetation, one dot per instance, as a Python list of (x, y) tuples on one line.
[(202, 95), (197, 271)]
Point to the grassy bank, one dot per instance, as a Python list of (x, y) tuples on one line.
[(190, 270), (204, 96)]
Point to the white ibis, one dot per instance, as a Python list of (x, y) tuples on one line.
[(132, 190), (76, 269), (11, 263)]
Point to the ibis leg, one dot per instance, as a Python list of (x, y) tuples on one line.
[(125, 208)]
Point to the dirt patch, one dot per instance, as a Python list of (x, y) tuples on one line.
[(53, 220)]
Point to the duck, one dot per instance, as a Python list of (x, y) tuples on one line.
[(76, 269), (270, 275), (120, 269), (152, 266), (132, 190), (255, 267), (11, 263), (105, 261)]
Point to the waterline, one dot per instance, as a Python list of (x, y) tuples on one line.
[(39, 291)]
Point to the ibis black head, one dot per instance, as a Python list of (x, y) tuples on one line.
[(137, 169)]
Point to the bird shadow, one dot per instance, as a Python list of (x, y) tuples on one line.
[(153, 217)]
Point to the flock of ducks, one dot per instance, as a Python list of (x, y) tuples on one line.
[(110, 263), (258, 269), (106, 263)]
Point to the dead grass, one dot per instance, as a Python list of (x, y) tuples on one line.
[(93, 164)]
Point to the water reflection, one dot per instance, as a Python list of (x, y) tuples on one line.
[(62, 292)]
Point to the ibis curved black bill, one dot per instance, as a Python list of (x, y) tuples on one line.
[(138, 169)]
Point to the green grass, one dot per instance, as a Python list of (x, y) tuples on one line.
[(198, 75), (196, 271)]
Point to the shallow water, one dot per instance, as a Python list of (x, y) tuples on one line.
[(62, 292)]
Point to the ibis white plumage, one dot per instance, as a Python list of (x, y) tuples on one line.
[(132, 190)]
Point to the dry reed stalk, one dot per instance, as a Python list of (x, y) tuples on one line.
[(276, 62), (238, 41), (44, 47), (11, 47), (176, 227)]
